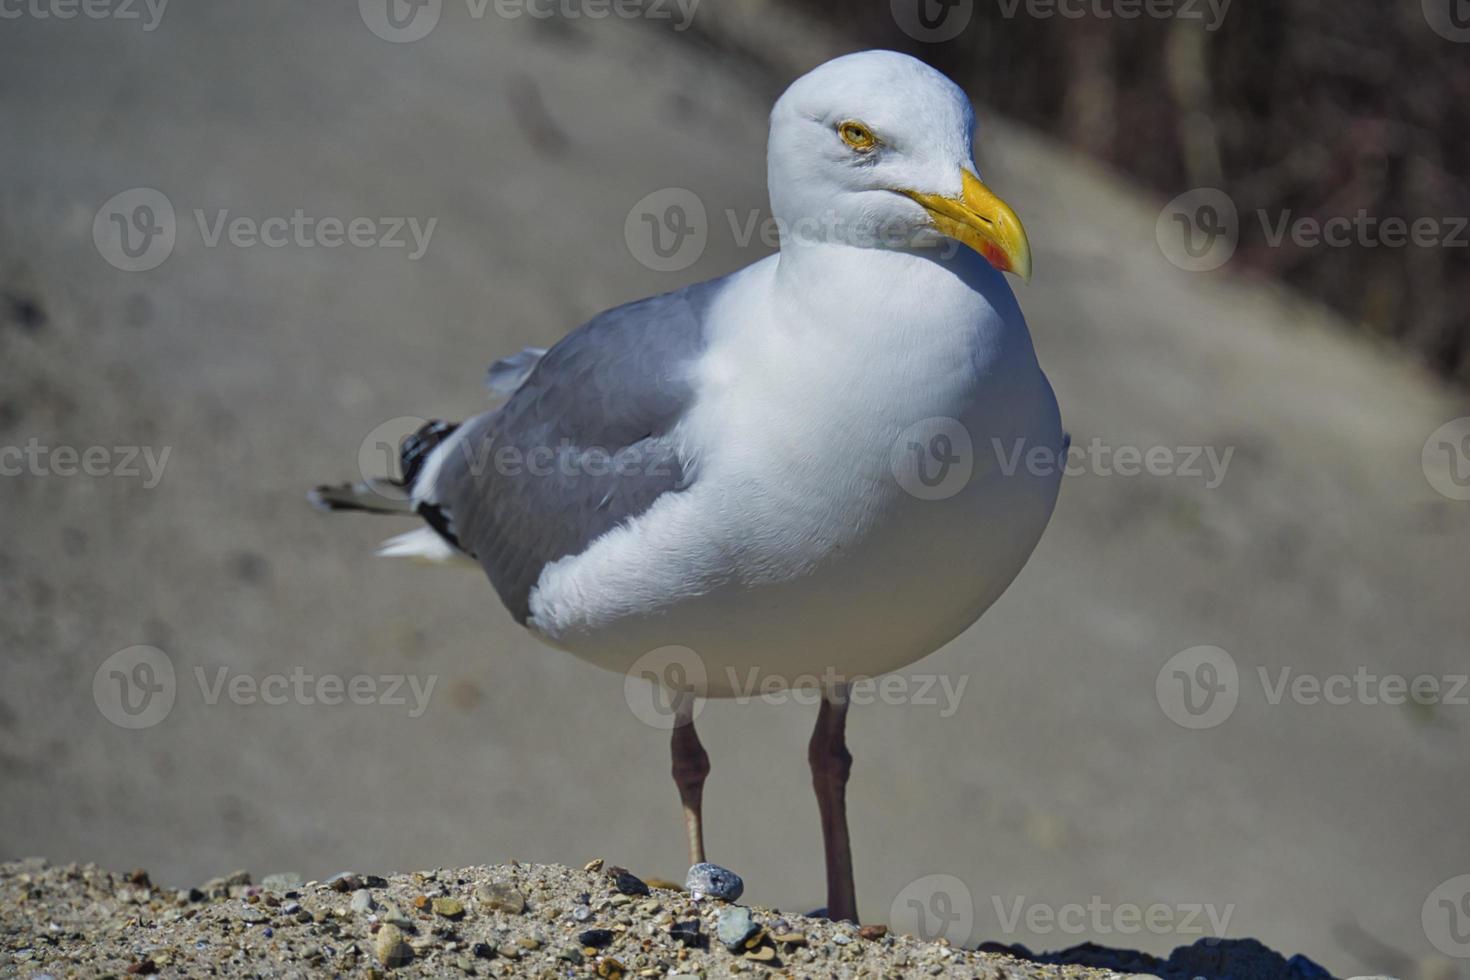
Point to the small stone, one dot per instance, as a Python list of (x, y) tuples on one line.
[(344, 882), (687, 933), (713, 881), (789, 938), (627, 882), (610, 969), (841, 940), (761, 954), (362, 901), (581, 913), (593, 866), (571, 954), (596, 938), (421, 902), (483, 951), (736, 925), (449, 908), (391, 949), (873, 932), (501, 896)]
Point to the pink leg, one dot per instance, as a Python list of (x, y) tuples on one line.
[(691, 766), (831, 763)]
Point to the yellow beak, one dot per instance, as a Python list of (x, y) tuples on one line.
[(982, 221)]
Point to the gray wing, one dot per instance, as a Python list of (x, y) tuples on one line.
[(582, 445)]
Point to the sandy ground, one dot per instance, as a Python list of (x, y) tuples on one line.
[(500, 921), (1053, 781)]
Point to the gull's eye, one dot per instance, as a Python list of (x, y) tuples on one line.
[(857, 136)]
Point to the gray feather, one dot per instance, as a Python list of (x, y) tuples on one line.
[(582, 445), (509, 373)]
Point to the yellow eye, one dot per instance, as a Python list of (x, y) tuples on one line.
[(857, 136)]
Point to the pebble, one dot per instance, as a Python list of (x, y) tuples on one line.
[(596, 938), (362, 901), (391, 949), (687, 933), (500, 896), (873, 932), (713, 881), (344, 881), (449, 908), (627, 882), (581, 913), (736, 925)]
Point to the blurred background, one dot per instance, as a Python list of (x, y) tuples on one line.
[(244, 246)]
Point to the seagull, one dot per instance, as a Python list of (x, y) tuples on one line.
[(821, 466)]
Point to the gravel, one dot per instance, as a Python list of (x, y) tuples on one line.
[(493, 921)]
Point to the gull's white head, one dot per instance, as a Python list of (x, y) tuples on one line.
[(875, 149)]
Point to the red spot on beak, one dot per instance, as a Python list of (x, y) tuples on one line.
[(995, 257)]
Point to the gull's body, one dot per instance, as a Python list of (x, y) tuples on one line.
[(732, 465), (795, 552)]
